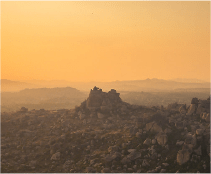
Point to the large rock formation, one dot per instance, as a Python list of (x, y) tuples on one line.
[(99, 99)]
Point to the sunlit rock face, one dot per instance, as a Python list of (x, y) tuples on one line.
[(192, 109), (153, 127), (99, 99), (183, 156)]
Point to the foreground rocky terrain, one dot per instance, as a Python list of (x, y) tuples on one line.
[(105, 134)]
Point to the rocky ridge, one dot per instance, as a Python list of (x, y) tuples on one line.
[(105, 134)]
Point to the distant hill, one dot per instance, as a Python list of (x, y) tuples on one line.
[(47, 98), (9, 85), (46, 93)]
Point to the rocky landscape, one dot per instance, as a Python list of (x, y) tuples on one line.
[(107, 135)]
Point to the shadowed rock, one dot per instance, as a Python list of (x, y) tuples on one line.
[(99, 99)]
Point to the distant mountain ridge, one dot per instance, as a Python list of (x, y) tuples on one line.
[(9, 82), (155, 85), (184, 80), (130, 85), (9, 85)]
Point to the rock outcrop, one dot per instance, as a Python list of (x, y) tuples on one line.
[(199, 106), (99, 99)]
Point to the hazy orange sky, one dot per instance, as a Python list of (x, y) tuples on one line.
[(105, 41)]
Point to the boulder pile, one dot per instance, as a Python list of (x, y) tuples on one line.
[(105, 134)]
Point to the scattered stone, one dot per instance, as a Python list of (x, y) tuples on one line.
[(56, 156), (162, 139), (105, 134), (183, 156)]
